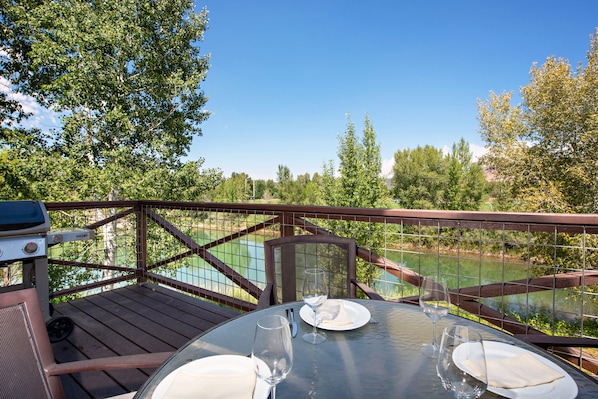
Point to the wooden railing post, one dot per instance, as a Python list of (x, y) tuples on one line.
[(287, 225), (141, 238)]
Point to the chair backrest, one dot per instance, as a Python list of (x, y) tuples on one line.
[(25, 348), (286, 259)]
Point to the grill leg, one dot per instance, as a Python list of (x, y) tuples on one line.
[(39, 280)]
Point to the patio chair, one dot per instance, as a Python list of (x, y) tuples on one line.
[(286, 258), (27, 362)]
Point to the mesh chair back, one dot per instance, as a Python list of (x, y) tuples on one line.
[(288, 257), (22, 370), (25, 349)]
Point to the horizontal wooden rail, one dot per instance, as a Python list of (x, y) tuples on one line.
[(570, 223)]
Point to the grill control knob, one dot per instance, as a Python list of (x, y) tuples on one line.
[(30, 248)]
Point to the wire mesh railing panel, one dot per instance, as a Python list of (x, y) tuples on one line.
[(108, 256), (512, 270), (213, 249)]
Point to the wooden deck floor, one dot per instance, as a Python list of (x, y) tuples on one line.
[(134, 319)]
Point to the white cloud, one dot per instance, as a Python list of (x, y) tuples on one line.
[(387, 165), (29, 104), (41, 117), (477, 151)]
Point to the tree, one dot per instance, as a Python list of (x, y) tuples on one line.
[(330, 185), (359, 184), (264, 189), (16, 175), (350, 169), (312, 190), (374, 192), (191, 182), (124, 74), (466, 183), (286, 187), (233, 189), (425, 178), (419, 177), (544, 151)]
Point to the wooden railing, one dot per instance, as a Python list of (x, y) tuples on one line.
[(213, 250)]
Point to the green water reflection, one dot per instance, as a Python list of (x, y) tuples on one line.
[(466, 271), (247, 258)]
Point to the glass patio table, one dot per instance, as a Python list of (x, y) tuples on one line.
[(377, 360)]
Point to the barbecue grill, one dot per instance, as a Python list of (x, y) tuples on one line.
[(24, 239)]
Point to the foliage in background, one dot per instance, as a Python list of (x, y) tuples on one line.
[(233, 189), (425, 178), (544, 151)]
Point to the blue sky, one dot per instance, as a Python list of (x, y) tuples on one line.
[(285, 74)]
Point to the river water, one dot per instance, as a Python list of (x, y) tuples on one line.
[(246, 257), (463, 271)]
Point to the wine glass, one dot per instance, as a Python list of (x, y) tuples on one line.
[(272, 350), (461, 363), (315, 293), (434, 299)]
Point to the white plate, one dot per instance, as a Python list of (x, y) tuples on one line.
[(232, 363), (359, 316), (563, 388)]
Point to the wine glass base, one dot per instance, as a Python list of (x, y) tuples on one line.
[(429, 350), (314, 338)]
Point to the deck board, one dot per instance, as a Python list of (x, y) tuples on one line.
[(134, 319)]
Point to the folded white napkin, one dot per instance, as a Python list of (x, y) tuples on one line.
[(214, 384), (342, 318), (518, 371)]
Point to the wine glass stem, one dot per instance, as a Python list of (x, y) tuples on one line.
[(434, 335), (273, 392), (314, 331)]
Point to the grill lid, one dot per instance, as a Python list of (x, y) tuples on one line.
[(23, 217)]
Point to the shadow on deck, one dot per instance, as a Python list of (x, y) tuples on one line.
[(134, 319)]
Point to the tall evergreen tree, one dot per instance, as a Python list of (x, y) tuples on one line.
[(359, 184), (466, 184), (374, 189)]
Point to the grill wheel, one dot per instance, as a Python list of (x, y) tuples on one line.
[(59, 328)]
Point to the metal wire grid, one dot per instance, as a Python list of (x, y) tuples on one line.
[(224, 236), (468, 254), (113, 246)]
